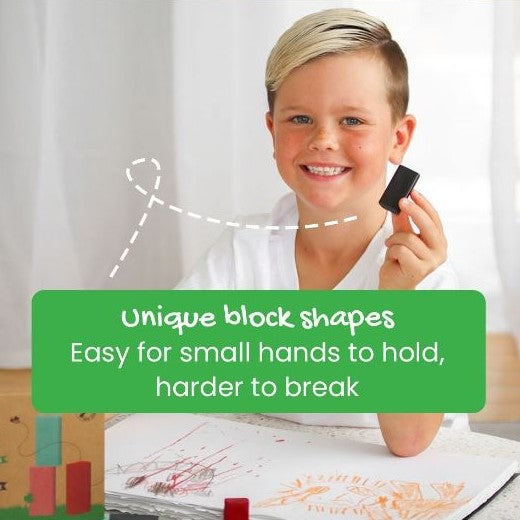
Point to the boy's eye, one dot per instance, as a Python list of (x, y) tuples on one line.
[(352, 121), (301, 119)]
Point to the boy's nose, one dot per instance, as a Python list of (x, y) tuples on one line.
[(323, 139)]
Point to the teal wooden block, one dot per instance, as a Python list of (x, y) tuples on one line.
[(48, 440)]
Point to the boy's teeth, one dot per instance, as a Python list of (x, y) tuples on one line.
[(325, 170)]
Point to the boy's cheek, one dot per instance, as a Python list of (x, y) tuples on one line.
[(369, 172), (289, 141)]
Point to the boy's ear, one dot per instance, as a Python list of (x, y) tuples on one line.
[(269, 123), (270, 126), (403, 133)]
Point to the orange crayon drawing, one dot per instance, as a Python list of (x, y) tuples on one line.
[(293, 495), (353, 496)]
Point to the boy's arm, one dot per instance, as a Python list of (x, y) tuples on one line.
[(408, 434), (411, 257)]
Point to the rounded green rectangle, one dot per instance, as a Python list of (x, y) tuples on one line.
[(259, 351)]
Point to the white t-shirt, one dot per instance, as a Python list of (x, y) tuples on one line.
[(252, 257)]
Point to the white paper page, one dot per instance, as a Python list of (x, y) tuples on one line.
[(192, 460)]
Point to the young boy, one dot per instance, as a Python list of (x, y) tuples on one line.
[(337, 88)]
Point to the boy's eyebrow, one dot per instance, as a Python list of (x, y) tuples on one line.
[(345, 108)]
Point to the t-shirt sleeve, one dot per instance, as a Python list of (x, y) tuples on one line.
[(216, 269), (444, 277)]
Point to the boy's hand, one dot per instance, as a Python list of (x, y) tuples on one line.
[(410, 257)]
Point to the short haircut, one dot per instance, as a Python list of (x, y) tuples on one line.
[(338, 31)]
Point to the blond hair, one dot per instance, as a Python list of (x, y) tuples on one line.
[(337, 31)]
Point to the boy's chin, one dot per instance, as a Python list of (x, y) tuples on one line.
[(326, 206)]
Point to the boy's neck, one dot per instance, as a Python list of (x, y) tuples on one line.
[(332, 244)]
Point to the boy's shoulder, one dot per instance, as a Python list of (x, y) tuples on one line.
[(242, 257)]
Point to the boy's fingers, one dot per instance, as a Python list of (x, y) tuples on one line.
[(412, 242), (430, 233), (401, 222), (423, 202), (405, 258)]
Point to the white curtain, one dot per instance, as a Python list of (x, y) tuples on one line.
[(87, 87), (505, 155)]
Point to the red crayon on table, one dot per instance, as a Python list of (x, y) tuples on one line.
[(78, 487), (42, 485), (236, 509)]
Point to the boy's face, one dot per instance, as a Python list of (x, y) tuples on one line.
[(333, 112)]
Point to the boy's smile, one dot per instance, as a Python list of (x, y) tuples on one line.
[(333, 132)]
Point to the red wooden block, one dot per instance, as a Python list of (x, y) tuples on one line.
[(78, 488), (42, 485), (236, 509)]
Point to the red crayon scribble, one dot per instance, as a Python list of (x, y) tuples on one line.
[(172, 473), (176, 441)]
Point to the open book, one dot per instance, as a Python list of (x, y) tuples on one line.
[(184, 466)]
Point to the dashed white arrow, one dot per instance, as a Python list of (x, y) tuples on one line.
[(156, 200)]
